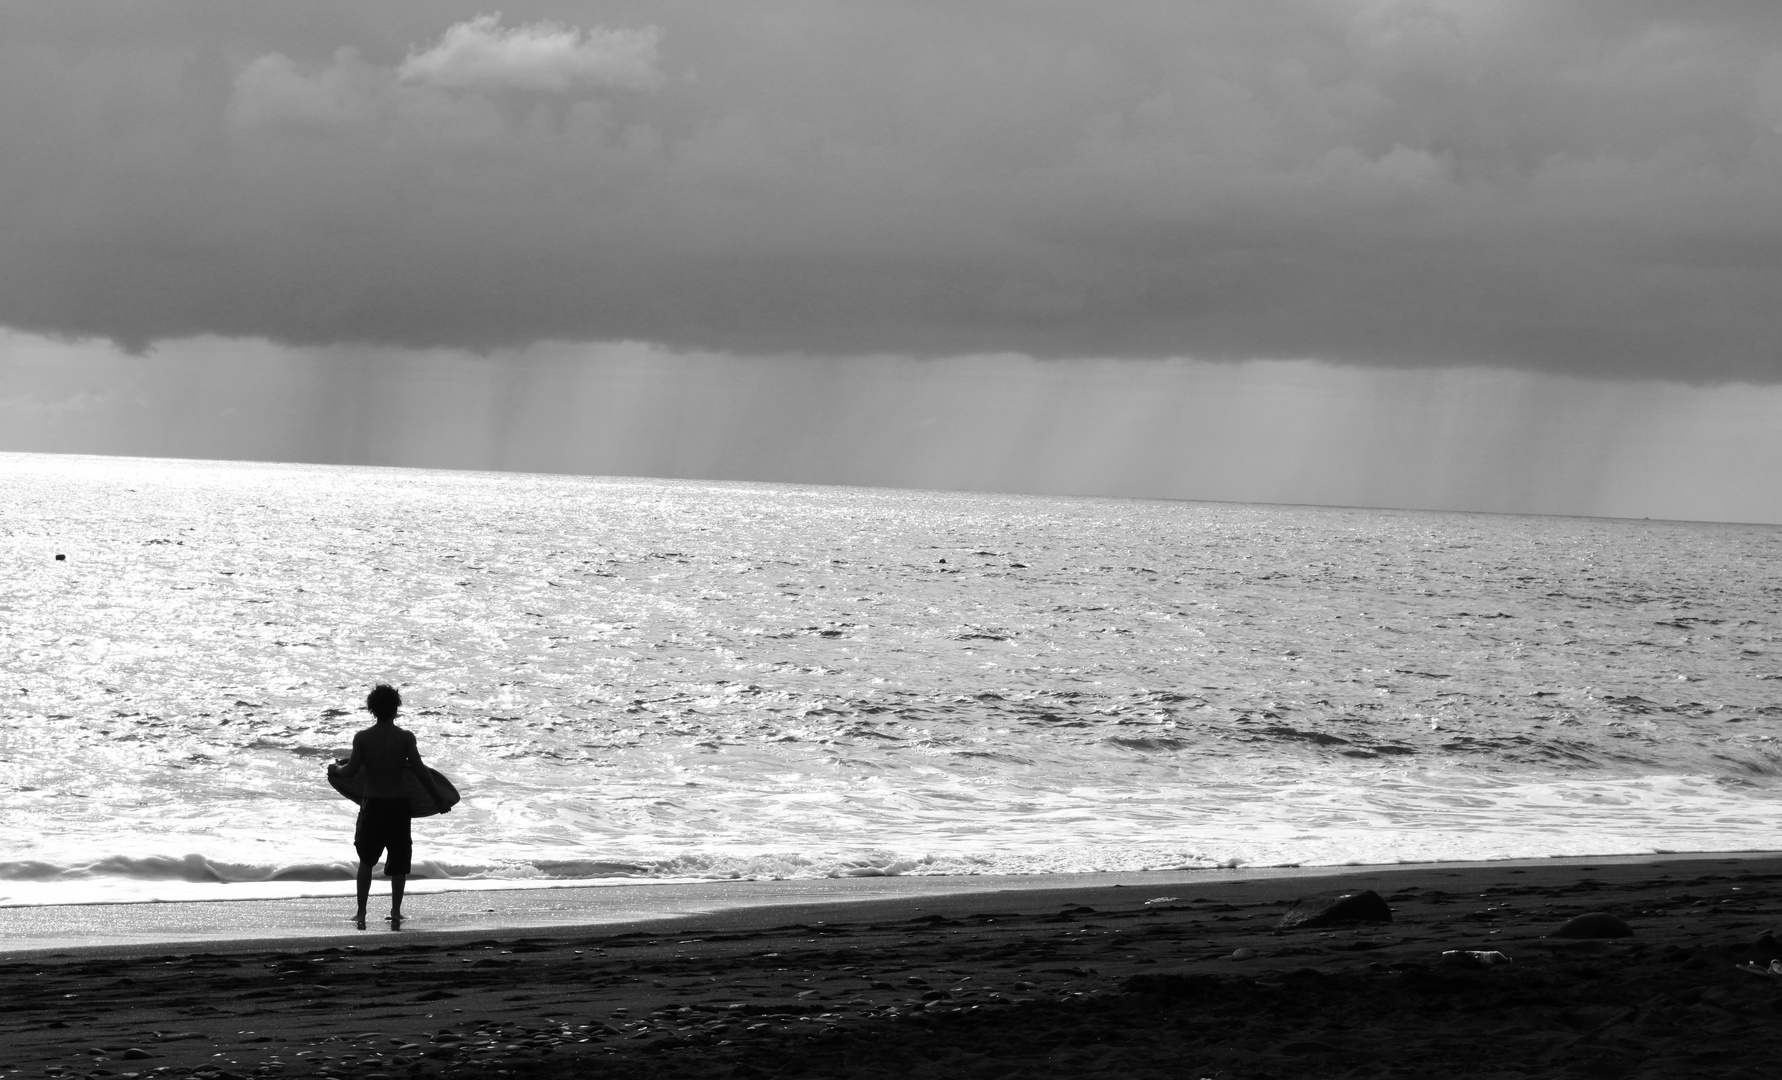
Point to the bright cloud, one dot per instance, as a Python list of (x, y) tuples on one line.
[(548, 57)]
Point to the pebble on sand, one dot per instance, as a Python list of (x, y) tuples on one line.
[(1597, 924), (1363, 906)]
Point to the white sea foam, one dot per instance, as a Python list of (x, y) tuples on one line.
[(648, 679)]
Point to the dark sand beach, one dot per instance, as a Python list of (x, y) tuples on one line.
[(1190, 978)]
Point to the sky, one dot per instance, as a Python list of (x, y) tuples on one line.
[(1457, 254)]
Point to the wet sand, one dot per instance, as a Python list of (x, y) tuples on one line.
[(1188, 977)]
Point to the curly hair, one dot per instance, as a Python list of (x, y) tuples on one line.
[(383, 701)]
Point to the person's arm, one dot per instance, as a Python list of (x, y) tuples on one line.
[(353, 764), (426, 778)]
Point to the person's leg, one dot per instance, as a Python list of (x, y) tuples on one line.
[(366, 866), (370, 848), (396, 867)]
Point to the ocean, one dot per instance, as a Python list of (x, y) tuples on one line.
[(651, 679)]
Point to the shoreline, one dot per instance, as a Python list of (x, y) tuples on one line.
[(1065, 978), (105, 927)]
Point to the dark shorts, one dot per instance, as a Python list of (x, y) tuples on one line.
[(383, 823)]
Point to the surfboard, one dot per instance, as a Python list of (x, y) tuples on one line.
[(419, 803)]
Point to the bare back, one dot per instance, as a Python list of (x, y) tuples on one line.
[(383, 751)]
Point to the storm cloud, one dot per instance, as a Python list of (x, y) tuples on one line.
[(1588, 188)]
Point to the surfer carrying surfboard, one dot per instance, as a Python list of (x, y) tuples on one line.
[(385, 752)]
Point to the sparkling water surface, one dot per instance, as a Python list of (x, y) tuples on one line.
[(643, 678)]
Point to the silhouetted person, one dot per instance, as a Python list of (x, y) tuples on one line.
[(384, 751)]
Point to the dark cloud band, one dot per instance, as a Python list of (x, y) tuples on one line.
[(1586, 187)]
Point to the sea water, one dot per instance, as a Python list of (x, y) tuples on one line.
[(633, 679)]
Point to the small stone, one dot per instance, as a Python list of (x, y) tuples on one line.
[(1597, 924), (1363, 906), (136, 1054)]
